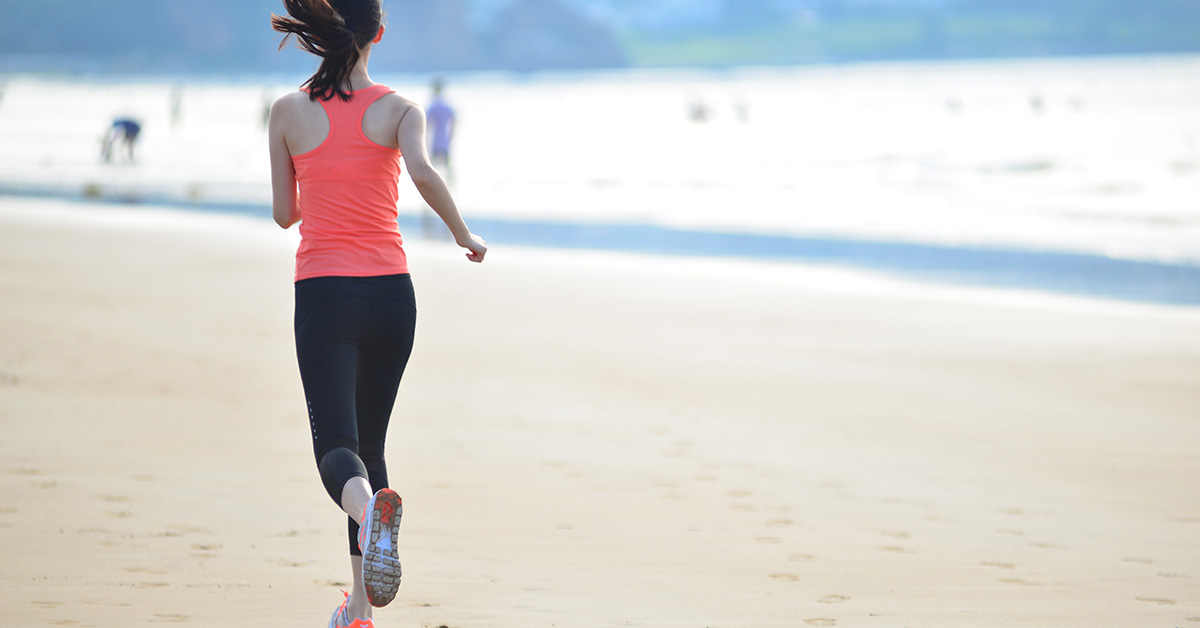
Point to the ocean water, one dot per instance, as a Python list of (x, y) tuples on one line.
[(1066, 174)]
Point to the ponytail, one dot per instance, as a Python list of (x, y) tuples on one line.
[(335, 30)]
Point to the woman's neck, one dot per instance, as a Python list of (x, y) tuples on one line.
[(358, 77)]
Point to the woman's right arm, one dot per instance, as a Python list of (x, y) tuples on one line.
[(284, 208), (411, 137)]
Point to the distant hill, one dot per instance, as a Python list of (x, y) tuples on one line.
[(234, 36), (813, 31)]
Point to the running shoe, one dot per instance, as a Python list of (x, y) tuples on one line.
[(377, 540), (341, 619)]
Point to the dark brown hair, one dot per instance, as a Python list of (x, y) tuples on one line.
[(335, 30)]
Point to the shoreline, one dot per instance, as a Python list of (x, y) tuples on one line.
[(1051, 271)]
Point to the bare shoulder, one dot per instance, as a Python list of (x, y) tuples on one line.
[(289, 101), (397, 105), (280, 117), (289, 106)]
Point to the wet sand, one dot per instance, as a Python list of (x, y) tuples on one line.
[(589, 440)]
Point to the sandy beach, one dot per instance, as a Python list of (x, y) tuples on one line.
[(588, 439)]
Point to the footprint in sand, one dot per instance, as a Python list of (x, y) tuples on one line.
[(779, 523), (1157, 600), (820, 622), (997, 565), (784, 577), (45, 605), (204, 551), (834, 599), (1020, 581), (115, 499), (896, 534), (896, 549), (145, 570), (744, 507), (801, 558), (22, 471), (739, 494), (174, 618), (1143, 561)]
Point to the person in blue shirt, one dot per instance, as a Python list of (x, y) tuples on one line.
[(439, 124), (125, 131), (439, 116)]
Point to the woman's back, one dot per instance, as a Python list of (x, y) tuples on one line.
[(347, 165)]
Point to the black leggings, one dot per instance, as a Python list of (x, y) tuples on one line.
[(353, 339)]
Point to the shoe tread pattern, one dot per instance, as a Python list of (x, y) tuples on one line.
[(381, 561)]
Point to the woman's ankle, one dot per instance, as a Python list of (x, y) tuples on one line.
[(357, 607)]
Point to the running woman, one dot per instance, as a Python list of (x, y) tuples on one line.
[(336, 147)]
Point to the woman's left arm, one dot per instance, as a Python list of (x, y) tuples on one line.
[(283, 174)]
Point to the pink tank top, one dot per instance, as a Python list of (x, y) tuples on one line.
[(348, 195)]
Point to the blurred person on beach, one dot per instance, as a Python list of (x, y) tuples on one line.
[(440, 117), (335, 148), (176, 106), (123, 131), (268, 99)]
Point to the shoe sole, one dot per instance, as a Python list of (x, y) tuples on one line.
[(381, 567)]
